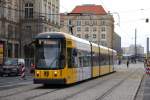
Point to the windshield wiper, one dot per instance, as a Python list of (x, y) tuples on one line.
[(53, 61)]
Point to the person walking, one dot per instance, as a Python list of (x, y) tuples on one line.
[(128, 63)]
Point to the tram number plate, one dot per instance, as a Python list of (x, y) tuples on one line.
[(46, 73)]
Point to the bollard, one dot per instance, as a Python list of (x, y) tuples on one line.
[(147, 70), (22, 71)]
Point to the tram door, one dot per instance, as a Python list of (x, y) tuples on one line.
[(71, 72)]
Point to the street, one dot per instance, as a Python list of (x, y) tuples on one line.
[(8, 82), (121, 85)]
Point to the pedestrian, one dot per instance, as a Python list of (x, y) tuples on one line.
[(127, 63)]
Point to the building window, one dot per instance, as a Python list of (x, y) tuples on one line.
[(79, 29), (94, 35), (103, 36), (86, 36), (78, 23), (45, 29), (16, 50), (79, 35), (28, 10), (103, 43), (28, 28), (49, 13), (9, 1), (87, 29), (102, 22), (9, 12), (94, 29), (10, 50), (69, 22), (15, 31), (87, 22), (103, 29), (94, 22), (45, 9), (10, 31)]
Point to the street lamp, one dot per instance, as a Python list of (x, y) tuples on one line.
[(147, 41), (146, 20)]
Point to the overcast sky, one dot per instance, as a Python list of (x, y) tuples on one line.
[(132, 15)]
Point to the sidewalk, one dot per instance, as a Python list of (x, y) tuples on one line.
[(144, 90), (139, 93)]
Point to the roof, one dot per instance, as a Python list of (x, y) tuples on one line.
[(96, 9)]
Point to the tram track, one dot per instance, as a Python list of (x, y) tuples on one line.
[(10, 83), (31, 90), (113, 87), (98, 84), (86, 89), (36, 96), (48, 92), (71, 95), (18, 92), (105, 94)]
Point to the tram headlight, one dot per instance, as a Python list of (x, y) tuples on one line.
[(55, 73), (37, 73)]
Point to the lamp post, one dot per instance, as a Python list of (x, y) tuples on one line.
[(147, 21), (135, 45), (147, 47)]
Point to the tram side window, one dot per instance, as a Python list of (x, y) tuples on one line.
[(69, 57), (80, 61), (101, 59), (87, 56), (107, 59), (96, 59), (104, 59), (84, 59), (72, 57), (110, 58), (80, 58)]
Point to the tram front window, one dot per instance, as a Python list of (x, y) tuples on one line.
[(48, 55)]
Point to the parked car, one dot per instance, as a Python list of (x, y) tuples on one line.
[(10, 67)]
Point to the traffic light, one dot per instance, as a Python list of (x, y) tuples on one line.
[(147, 20)]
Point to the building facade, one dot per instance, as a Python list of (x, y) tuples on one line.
[(131, 51), (21, 20), (9, 23), (37, 16), (90, 22), (117, 43)]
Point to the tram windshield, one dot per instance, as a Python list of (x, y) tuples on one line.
[(48, 54)]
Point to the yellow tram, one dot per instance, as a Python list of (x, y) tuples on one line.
[(61, 58)]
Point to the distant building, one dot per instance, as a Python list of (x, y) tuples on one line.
[(90, 22), (130, 51), (117, 43)]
